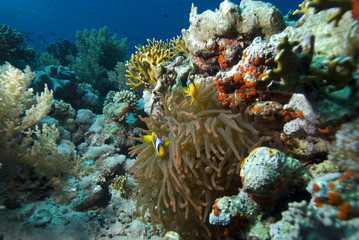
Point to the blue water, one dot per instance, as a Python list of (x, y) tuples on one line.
[(45, 21)]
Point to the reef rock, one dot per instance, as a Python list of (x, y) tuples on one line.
[(254, 18), (269, 173)]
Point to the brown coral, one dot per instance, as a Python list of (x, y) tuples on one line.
[(141, 66), (207, 145)]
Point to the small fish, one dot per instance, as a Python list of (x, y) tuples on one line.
[(157, 144), (191, 90), (165, 15), (53, 34)]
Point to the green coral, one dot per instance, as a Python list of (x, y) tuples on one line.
[(296, 68), (98, 53), (291, 65), (118, 76)]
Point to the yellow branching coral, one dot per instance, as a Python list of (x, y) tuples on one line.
[(141, 66), (202, 161), (303, 8), (179, 46), (342, 7)]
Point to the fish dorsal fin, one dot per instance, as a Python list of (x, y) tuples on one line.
[(147, 139)]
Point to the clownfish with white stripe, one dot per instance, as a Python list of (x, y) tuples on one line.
[(157, 144), (191, 90)]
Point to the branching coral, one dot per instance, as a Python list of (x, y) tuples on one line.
[(292, 62), (119, 185), (303, 8), (19, 112), (141, 66), (342, 5), (296, 68), (118, 76), (12, 48), (15, 99), (207, 145), (179, 46), (98, 53)]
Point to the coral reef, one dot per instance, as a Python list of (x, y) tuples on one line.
[(12, 48), (269, 173), (268, 177), (119, 185), (141, 67), (303, 221), (207, 145), (98, 53), (344, 150), (235, 26), (332, 212), (251, 132), (118, 76), (63, 51), (65, 85), (20, 112), (118, 107)]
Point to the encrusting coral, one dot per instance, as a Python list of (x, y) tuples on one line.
[(202, 161), (344, 150)]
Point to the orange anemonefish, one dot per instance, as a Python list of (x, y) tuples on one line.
[(191, 90), (157, 144)]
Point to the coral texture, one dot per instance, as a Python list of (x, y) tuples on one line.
[(98, 53), (344, 150), (207, 145), (16, 98), (267, 172), (141, 66), (65, 85), (19, 112), (12, 48)]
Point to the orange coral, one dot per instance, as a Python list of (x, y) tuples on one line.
[(222, 61)]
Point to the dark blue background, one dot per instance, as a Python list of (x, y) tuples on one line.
[(45, 21)]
